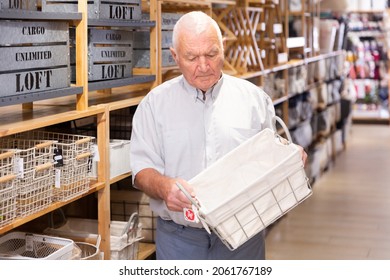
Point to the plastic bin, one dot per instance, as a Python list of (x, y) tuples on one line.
[(250, 187), (123, 246), (119, 159)]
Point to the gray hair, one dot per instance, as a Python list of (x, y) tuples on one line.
[(196, 22)]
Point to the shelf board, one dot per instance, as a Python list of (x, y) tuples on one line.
[(22, 220), (38, 15), (14, 119), (120, 177), (367, 33), (280, 100), (145, 250), (366, 12), (37, 96), (121, 23), (136, 79)]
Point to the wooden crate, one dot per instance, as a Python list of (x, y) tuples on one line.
[(30, 5), (98, 9), (142, 58), (142, 39), (142, 42), (34, 56), (168, 20), (142, 49), (110, 54)]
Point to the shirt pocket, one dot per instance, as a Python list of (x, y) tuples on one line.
[(177, 151)]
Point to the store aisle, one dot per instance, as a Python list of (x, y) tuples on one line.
[(348, 215)]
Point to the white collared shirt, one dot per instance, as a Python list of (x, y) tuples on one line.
[(179, 134)]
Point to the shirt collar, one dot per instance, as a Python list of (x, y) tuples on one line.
[(197, 93)]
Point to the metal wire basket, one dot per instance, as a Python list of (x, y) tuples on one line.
[(72, 154), (22, 245), (7, 187), (33, 166)]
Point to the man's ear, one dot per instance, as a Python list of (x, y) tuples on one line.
[(174, 54), (224, 39)]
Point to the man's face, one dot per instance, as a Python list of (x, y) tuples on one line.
[(200, 58)]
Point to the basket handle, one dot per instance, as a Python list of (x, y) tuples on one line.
[(185, 192), (84, 140), (7, 178), (84, 155), (6, 154), (44, 145), (284, 126), (44, 166)]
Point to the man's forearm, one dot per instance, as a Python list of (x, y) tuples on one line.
[(153, 183)]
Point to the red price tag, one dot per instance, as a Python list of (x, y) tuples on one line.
[(190, 215)]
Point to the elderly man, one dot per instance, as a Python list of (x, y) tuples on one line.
[(183, 126)]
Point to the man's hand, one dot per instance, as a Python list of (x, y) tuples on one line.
[(303, 154), (175, 199)]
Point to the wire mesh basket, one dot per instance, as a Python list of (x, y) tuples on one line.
[(33, 166), (252, 186), (7, 187), (38, 198), (72, 154), (21, 245)]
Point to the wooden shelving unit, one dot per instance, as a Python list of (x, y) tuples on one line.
[(82, 100), (98, 99)]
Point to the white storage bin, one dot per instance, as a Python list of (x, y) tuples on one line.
[(119, 159), (250, 188), (125, 202), (123, 246)]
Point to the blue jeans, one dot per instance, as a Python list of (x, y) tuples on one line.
[(177, 242)]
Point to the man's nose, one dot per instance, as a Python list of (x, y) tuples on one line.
[(203, 63)]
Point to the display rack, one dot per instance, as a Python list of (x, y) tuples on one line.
[(368, 58), (98, 99)]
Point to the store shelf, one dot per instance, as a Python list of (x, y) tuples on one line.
[(20, 221), (37, 96), (121, 23), (13, 119), (98, 85), (99, 98), (371, 116), (37, 15), (146, 250)]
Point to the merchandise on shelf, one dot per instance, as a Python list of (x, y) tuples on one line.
[(110, 54), (31, 5), (122, 10), (36, 56), (367, 58)]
